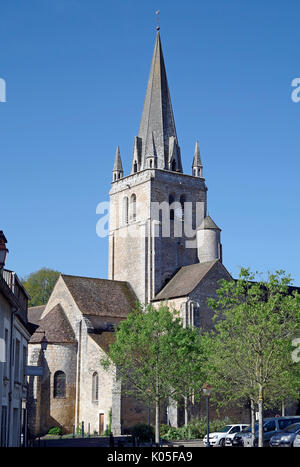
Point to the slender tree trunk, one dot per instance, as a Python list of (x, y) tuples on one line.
[(186, 414), (252, 420), (282, 409), (260, 418), (157, 422)]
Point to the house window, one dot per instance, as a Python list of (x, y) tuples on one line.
[(6, 353), (3, 431), (133, 207), (24, 363), (17, 361), (59, 386), (95, 387)]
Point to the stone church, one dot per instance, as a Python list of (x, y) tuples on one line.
[(163, 247)]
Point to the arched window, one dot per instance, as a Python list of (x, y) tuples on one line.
[(135, 167), (166, 280), (182, 201), (133, 207), (115, 177), (125, 210), (95, 387), (171, 201), (59, 384), (174, 165)]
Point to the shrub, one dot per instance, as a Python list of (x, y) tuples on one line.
[(107, 432), (55, 430), (143, 432), (196, 429)]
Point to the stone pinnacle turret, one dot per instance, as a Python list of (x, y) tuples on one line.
[(118, 168), (197, 163)]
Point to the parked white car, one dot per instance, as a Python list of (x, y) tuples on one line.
[(218, 438), (296, 443)]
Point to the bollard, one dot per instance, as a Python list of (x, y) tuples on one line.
[(82, 429), (111, 440), (89, 430), (73, 431)]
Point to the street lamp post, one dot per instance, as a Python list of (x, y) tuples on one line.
[(206, 389)]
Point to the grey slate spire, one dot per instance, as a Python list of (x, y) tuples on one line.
[(197, 163), (118, 168), (157, 124)]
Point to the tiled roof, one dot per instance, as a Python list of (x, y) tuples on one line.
[(185, 280), (35, 313), (101, 297), (56, 327), (104, 340)]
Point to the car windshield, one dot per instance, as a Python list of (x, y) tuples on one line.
[(225, 429), (292, 428), (247, 429)]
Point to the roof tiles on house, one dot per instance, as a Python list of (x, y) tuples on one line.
[(56, 328)]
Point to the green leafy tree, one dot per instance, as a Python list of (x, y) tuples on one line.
[(250, 349), (156, 358), (40, 284)]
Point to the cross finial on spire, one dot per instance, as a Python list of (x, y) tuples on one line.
[(157, 20)]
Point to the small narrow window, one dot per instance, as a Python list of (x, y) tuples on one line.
[(135, 167), (171, 201), (133, 207), (59, 385), (125, 210), (174, 165), (150, 163), (182, 201), (95, 387)]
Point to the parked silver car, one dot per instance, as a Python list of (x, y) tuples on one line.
[(271, 426), (286, 437), (296, 443)]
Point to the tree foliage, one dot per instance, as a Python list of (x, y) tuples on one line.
[(250, 349), (40, 284), (156, 358)]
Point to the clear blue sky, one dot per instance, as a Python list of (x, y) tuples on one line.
[(76, 73)]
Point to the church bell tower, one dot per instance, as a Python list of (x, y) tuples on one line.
[(156, 209)]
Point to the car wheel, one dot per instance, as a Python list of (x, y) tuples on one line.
[(222, 442)]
